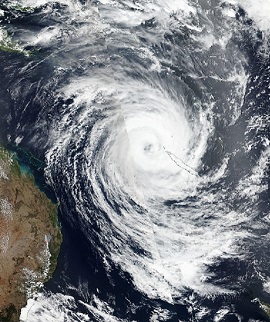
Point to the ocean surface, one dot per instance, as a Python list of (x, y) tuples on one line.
[(148, 121)]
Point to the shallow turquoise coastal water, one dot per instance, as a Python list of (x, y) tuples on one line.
[(25, 169)]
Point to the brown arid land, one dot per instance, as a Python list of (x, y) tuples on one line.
[(30, 238)]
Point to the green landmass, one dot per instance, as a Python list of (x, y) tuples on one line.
[(7, 45), (30, 237), (266, 308), (22, 9)]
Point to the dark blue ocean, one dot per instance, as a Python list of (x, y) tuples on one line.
[(148, 122)]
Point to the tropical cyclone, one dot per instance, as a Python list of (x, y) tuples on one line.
[(29, 237)]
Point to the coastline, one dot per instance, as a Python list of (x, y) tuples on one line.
[(30, 237)]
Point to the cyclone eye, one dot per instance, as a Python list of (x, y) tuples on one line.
[(149, 148)]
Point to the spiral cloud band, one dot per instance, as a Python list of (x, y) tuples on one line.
[(155, 139), (141, 151)]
